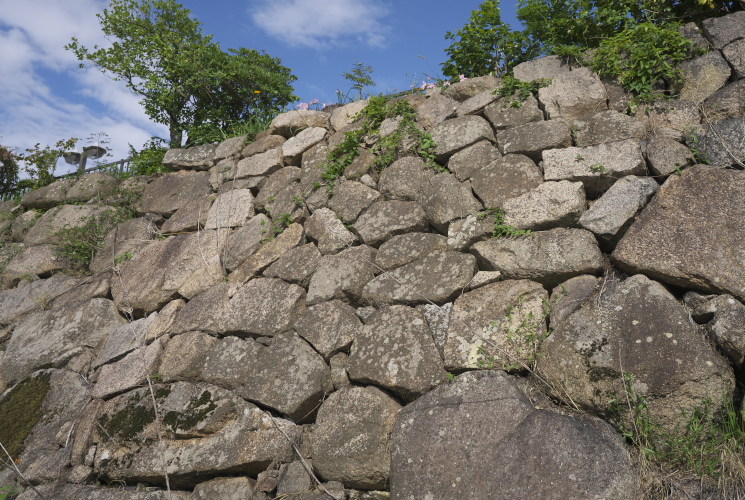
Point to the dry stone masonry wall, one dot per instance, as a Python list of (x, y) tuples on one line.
[(255, 334)]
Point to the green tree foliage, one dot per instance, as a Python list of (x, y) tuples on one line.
[(624, 30), (185, 79), (485, 45), (8, 172)]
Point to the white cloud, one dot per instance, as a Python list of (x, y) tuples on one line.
[(46, 96), (318, 24)]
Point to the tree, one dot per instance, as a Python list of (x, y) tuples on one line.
[(8, 171), (185, 79)]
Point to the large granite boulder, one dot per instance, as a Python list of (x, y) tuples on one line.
[(48, 228), (721, 31), (265, 306), (445, 199), (407, 363), (352, 437), (342, 276), (549, 205), (635, 339), (287, 376), (607, 126), (505, 178), (172, 191), (196, 158), (532, 139), (40, 261), (727, 102), (438, 277), (330, 327), (576, 94), (68, 332), (458, 133), (33, 295), (405, 248), (466, 162), (522, 452), (386, 219), (704, 75), (721, 144), (597, 167), (502, 114), (498, 325), (205, 429), (292, 122), (548, 257), (691, 234)]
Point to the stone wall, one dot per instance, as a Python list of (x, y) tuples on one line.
[(251, 325)]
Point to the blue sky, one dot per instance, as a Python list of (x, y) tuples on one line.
[(45, 96)]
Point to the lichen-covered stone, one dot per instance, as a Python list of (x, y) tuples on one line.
[(549, 205), (607, 126), (405, 248), (352, 198), (296, 266), (407, 364), (167, 194), (231, 209), (386, 219), (342, 276), (445, 199), (532, 139), (456, 134), (265, 306), (330, 327)]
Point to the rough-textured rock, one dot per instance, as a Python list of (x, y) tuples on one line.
[(40, 261), (290, 123), (206, 429), (330, 327), (231, 209), (275, 184), (123, 340), (505, 178), (296, 266), (734, 53), (470, 87), (666, 156), (721, 144), (287, 375), (704, 75), (573, 95), (269, 252), (445, 199), (230, 147), (674, 119), (342, 276), (728, 102), (128, 373), (610, 217), (439, 277), (548, 257), (47, 228), (532, 139), (597, 167), (343, 116), (543, 67), (523, 452), (225, 488), (99, 493), (405, 248), (294, 478), (405, 179), (21, 225), (207, 312), (728, 327), (351, 440), (29, 296), (454, 135), (189, 217), (294, 147), (549, 205), (288, 205), (263, 145), (67, 333), (467, 162), (163, 322), (569, 296), (91, 287), (184, 356), (636, 327), (121, 242), (196, 158), (502, 114), (362, 164), (436, 110), (260, 164), (245, 241), (720, 31), (498, 325), (351, 198), (385, 219), (465, 232), (325, 228), (693, 220), (475, 105), (48, 196), (172, 191), (61, 396), (606, 126), (265, 306)]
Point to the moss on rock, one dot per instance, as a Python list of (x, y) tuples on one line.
[(20, 410)]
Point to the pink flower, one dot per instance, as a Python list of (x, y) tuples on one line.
[(302, 105), (462, 77), (314, 101)]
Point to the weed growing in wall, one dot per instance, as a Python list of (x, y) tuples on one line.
[(502, 230), (406, 139), (518, 90)]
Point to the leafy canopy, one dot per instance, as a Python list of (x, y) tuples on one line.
[(185, 79), (638, 40)]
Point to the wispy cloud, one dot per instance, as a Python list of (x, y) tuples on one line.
[(46, 96), (323, 23)]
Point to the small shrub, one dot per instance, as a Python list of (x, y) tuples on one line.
[(149, 160), (519, 90)]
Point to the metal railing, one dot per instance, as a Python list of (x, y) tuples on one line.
[(114, 168)]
